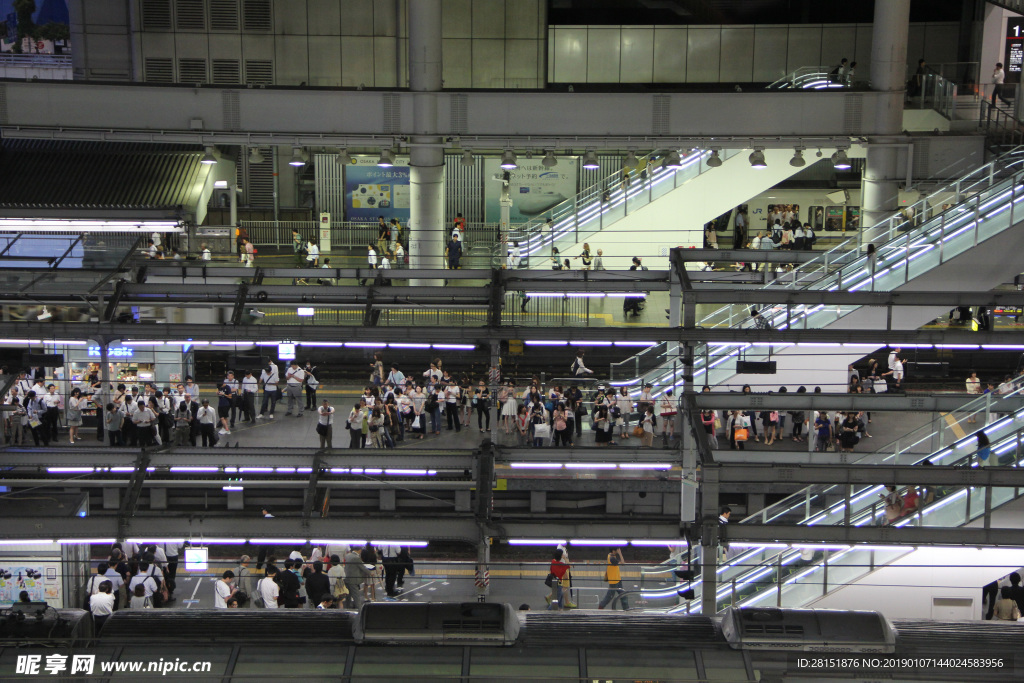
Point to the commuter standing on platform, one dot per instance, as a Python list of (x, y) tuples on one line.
[(295, 377), (998, 76), (613, 575), (269, 378), (311, 384)]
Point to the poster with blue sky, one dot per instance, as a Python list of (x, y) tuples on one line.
[(50, 19)]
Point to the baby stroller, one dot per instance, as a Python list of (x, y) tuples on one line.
[(634, 305)]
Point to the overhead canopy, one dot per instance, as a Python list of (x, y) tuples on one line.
[(49, 178)]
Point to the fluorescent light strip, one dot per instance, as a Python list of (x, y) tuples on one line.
[(337, 541), (278, 541), (408, 346), (89, 541), (542, 342), (34, 541), (455, 347), (411, 473), (536, 541), (599, 542), (68, 470), (195, 469), (590, 466), (644, 466), (217, 541), (156, 540), (232, 488), (412, 544), (535, 465), (332, 345), (649, 542)]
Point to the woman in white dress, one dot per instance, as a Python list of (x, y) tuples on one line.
[(509, 406)]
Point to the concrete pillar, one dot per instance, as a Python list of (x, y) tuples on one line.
[(888, 68), (426, 153)]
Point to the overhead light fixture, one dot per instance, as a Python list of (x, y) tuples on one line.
[(220, 184), (45, 315), (467, 158), (209, 157), (714, 161), (630, 161), (256, 313), (387, 159), (508, 160), (255, 157), (344, 157), (798, 158), (756, 158), (840, 160), (297, 158), (672, 160), (590, 160), (550, 160)]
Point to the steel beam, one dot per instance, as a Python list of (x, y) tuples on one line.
[(899, 475), (334, 333), (306, 116), (921, 403)]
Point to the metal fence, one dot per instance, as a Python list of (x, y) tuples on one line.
[(348, 234)]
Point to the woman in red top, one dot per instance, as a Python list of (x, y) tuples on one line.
[(558, 568)]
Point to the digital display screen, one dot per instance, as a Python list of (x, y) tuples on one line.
[(112, 352), (286, 351), (197, 559), (1013, 58)]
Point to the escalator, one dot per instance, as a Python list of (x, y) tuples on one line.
[(641, 217), (972, 243), (795, 575)]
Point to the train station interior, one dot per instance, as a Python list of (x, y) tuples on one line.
[(512, 340)]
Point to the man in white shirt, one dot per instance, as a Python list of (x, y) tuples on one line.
[(371, 260), (295, 377), (222, 590), (147, 579), (235, 396), (207, 256), (268, 588), (207, 418), (249, 387), (998, 76), (451, 399), (399, 255), (269, 379)]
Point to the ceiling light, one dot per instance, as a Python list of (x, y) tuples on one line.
[(255, 157), (714, 161), (798, 158), (508, 160), (297, 159), (467, 158), (590, 160), (840, 160), (344, 157), (630, 161), (208, 157), (386, 158), (550, 160), (756, 158), (672, 160)]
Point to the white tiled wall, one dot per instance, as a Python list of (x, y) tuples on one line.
[(724, 54)]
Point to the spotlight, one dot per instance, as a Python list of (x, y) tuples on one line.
[(798, 158), (45, 315), (508, 160), (756, 158), (467, 158), (344, 157), (387, 159), (255, 157), (685, 574), (590, 160), (297, 159), (550, 160), (672, 160), (630, 161), (714, 161), (840, 160), (687, 594), (208, 157)]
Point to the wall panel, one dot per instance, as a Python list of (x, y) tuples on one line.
[(325, 61), (488, 63), (838, 41), (804, 47), (637, 54), (522, 18), (603, 55), (521, 64), (358, 18), (357, 61), (737, 55), (456, 19), (703, 52), (385, 62), (770, 48), (323, 18), (669, 55), (457, 54), (570, 54), (489, 19), (291, 65)]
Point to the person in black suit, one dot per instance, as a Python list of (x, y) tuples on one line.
[(193, 407), (289, 582), (318, 586), (1016, 592)]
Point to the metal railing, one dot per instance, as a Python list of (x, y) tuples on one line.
[(45, 61), (351, 235), (811, 78), (1001, 127), (915, 241)]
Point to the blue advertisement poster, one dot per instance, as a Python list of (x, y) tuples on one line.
[(533, 187), (372, 191)]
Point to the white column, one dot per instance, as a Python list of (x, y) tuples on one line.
[(426, 155), (888, 68)]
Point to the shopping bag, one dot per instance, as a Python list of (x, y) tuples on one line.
[(741, 434)]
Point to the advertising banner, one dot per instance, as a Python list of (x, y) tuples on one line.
[(1013, 59), (534, 188), (372, 191)]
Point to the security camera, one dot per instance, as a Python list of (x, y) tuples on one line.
[(45, 315), (256, 313)]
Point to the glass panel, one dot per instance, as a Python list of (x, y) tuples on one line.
[(720, 665), (505, 664), (622, 666), (275, 661), (387, 663)]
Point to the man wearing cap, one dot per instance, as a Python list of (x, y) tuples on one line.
[(295, 378)]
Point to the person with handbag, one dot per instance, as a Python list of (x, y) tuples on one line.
[(269, 378), (558, 573), (312, 383), (482, 404), (355, 425), (648, 423), (325, 424), (737, 427)]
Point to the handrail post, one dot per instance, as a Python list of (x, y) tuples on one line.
[(778, 580), (906, 262), (988, 408), (824, 569)]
